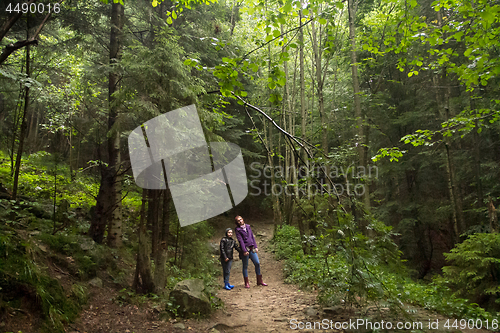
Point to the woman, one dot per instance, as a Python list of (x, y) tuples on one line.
[(248, 250), (227, 244)]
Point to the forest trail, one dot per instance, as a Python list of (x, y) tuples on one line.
[(254, 310), (271, 309), (258, 309), (261, 309)]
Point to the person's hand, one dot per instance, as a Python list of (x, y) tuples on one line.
[(256, 250), (227, 259), (246, 253)]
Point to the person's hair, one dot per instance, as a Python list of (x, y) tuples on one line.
[(236, 220)]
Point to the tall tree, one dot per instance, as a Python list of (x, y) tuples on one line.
[(108, 206), (24, 126), (361, 132)]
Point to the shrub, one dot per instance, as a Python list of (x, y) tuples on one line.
[(475, 268)]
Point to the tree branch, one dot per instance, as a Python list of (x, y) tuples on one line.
[(11, 21), (9, 49), (275, 125), (292, 137)]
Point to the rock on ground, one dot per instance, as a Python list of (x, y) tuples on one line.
[(190, 298)]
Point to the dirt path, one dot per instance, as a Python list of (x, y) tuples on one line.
[(281, 307), (276, 308), (254, 310), (261, 309)]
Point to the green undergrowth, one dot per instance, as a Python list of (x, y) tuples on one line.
[(348, 268), (33, 239), (161, 302), (24, 280), (86, 262), (194, 260), (42, 175), (197, 262), (31, 255)]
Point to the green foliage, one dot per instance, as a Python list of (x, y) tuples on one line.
[(475, 268), (87, 262), (438, 297), (130, 297), (197, 261), (80, 293), (356, 269), (20, 273), (393, 153), (287, 242), (36, 180), (346, 266)]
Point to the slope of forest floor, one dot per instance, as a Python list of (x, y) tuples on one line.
[(254, 310)]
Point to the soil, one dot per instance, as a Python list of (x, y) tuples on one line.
[(278, 307)]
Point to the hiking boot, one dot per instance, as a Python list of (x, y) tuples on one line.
[(247, 284), (260, 282)]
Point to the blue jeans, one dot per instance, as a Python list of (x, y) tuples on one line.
[(226, 269), (255, 259)]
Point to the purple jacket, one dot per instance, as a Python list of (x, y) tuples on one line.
[(246, 239)]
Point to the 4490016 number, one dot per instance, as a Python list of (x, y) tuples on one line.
[(33, 8), (471, 324)]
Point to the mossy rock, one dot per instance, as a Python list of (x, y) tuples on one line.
[(190, 298)]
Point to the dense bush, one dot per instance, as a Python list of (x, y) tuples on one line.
[(350, 268), (40, 171), (475, 268), (344, 264)]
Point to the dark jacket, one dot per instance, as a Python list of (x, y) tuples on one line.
[(246, 239), (227, 244)]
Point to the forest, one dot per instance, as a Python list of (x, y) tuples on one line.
[(369, 134)]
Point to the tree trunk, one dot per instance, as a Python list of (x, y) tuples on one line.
[(15, 127), (355, 80), (456, 200), (492, 213), (108, 203), (102, 208), (289, 154), (143, 280), (71, 169), (115, 221), (362, 143), (234, 12), (477, 159), (303, 124), (153, 218), (24, 126), (319, 89), (161, 251), (303, 112), (270, 157)]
